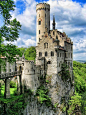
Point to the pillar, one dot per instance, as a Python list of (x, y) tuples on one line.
[(7, 88), (19, 85)]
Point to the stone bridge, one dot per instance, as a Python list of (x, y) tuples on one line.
[(6, 77)]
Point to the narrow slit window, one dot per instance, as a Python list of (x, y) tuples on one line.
[(39, 22), (39, 31)]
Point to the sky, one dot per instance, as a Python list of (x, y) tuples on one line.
[(70, 16)]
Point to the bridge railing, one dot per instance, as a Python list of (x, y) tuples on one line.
[(10, 74)]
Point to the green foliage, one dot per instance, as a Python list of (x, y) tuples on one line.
[(30, 53), (47, 81), (8, 32), (12, 84), (42, 95), (83, 103), (74, 103), (22, 50), (56, 104), (79, 70), (65, 75)]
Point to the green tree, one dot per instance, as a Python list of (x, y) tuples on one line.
[(30, 53), (65, 75), (8, 32), (74, 104), (22, 50)]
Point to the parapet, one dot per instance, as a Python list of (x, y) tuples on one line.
[(44, 6)]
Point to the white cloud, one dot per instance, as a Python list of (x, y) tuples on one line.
[(70, 17)]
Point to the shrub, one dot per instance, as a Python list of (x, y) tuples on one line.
[(12, 84)]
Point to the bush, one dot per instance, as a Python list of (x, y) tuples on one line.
[(12, 84)]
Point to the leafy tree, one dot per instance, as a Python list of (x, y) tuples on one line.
[(30, 53), (83, 103), (9, 31), (65, 75), (22, 50), (74, 103)]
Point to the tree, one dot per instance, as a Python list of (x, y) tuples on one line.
[(65, 75), (22, 50), (30, 53), (9, 32)]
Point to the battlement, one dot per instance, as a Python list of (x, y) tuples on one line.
[(43, 6)]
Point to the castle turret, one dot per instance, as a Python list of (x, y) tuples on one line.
[(43, 19)]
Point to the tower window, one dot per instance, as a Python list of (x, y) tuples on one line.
[(45, 9), (45, 15), (45, 53), (40, 54), (52, 53), (39, 39), (39, 31), (39, 22)]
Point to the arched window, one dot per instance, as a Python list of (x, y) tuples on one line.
[(46, 54), (45, 45), (40, 54), (52, 53), (39, 22)]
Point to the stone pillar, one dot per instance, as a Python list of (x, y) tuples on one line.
[(19, 85), (7, 88)]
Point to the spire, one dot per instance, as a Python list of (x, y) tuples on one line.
[(53, 22)]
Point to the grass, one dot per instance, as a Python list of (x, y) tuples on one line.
[(11, 90)]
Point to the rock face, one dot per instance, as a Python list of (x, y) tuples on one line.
[(59, 91)]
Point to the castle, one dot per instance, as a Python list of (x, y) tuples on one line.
[(52, 49)]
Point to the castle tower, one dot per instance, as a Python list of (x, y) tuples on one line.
[(43, 20)]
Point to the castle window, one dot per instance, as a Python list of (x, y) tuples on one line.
[(39, 39), (40, 54), (39, 31), (58, 54), (52, 53), (49, 62), (45, 9), (45, 53), (45, 15), (39, 22), (71, 55), (45, 45)]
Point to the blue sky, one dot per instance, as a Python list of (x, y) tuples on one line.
[(70, 17)]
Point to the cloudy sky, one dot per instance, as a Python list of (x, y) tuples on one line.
[(70, 17)]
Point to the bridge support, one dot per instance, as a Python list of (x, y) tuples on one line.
[(19, 85), (7, 88)]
